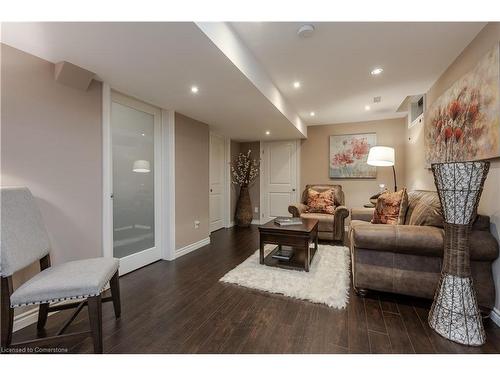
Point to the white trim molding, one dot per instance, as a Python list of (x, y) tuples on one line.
[(192, 247), (255, 222), (227, 182), (27, 318), (495, 316), (107, 171), (168, 183)]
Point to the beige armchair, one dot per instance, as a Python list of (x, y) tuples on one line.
[(331, 226)]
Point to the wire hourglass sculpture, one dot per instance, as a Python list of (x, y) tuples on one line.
[(454, 313)]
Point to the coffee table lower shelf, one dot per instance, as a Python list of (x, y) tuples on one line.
[(295, 263)]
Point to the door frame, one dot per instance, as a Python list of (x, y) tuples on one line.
[(262, 172), (226, 191), (164, 180)]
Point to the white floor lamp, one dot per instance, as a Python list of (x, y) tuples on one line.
[(382, 156)]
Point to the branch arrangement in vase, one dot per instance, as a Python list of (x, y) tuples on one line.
[(244, 169)]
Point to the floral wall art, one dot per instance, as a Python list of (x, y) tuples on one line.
[(348, 155), (464, 122)]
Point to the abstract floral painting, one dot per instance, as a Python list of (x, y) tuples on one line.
[(348, 155), (464, 123)]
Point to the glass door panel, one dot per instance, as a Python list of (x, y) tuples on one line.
[(133, 148)]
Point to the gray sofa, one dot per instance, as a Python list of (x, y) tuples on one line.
[(406, 259)]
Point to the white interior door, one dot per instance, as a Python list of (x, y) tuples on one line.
[(280, 178), (136, 182), (217, 178)]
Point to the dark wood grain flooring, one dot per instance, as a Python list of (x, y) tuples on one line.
[(181, 307)]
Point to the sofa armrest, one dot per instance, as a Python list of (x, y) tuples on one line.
[(339, 216), (363, 214), (297, 209), (424, 240)]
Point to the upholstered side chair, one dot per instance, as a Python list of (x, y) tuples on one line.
[(24, 241), (331, 226)]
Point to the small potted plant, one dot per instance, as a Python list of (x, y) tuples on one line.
[(244, 171)]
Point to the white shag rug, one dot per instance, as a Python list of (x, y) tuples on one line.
[(326, 282)]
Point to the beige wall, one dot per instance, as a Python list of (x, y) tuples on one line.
[(191, 180), (255, 187), (420, 177), (315, 150), (51, 142)]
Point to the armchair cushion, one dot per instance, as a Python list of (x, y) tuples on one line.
[(321, 202), (77, 279), (325, 220)]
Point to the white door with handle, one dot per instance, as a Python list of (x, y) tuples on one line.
[(279, 174), (217, 178)]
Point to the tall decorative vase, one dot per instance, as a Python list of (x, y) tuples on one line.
[(454, 313), (243, 215)]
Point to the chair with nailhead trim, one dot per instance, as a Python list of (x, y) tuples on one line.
[(24, 241)]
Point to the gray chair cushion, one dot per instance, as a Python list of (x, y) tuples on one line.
[(24, 239), (77, 279)]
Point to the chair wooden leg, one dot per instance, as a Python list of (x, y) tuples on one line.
[(43, 312), (95, 317), (7, 323), (115, 293)]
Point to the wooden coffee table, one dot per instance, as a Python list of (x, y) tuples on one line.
[(296, 236)]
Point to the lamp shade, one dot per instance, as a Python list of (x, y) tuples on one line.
[(141, 166), (381, 156)]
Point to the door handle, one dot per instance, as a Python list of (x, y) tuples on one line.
[(112, 196), (293, 189), (210, 190)]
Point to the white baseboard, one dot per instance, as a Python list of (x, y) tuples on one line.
[(26, 318), (231, 224), (255, 221), (31, 316), (495, 316), (192, 247)]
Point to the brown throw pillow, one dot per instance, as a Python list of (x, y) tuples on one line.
[(391, 208), (323, 202)]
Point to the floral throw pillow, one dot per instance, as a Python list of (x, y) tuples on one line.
[(321, 202), (391, 208)]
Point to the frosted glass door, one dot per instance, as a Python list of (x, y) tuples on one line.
[(134, 215)]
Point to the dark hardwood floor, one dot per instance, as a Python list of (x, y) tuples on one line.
[(180, 307)]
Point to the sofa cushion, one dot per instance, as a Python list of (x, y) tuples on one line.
[(320, 202), (391, 208), (325, 220), (424, 208), (418, 240)]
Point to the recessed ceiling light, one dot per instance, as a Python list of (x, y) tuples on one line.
[(268, 132), (143, 134), (296, 84), (305, 31), (194, 89), (367, 107), (376, 71), (312, 114)]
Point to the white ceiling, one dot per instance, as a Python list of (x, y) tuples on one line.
[(334, 64), (159, 62)]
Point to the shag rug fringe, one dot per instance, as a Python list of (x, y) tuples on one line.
[(327, 281)]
